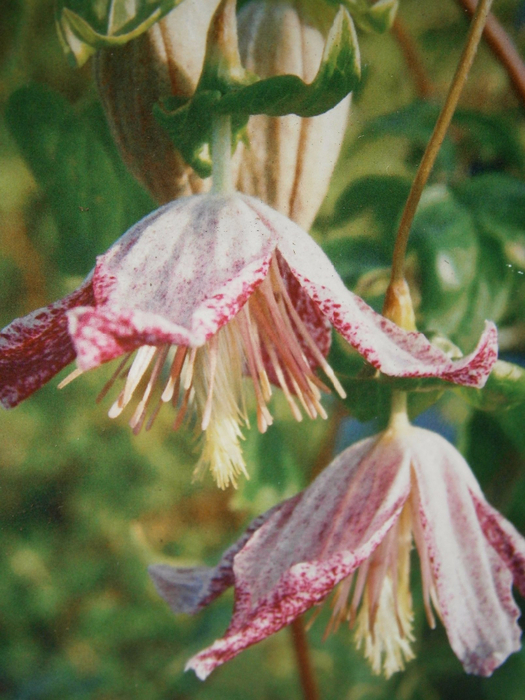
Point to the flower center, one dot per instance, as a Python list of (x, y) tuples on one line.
[(267, 341), (377, 601)]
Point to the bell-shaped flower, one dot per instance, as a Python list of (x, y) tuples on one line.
[(351, 532), (207, 289)]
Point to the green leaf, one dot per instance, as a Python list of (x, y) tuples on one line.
[(378, 17), (444, 237), (490, 140), (86, 25), (354, 257), (92, 196), (504, 390), (241, 95), (414, 123), (497, 202), (365, 194)]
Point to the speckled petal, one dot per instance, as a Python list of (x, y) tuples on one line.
[(36, 347), (386, 346), (297, 557), (505, 539), (188, 590), (176, 276), (473, 583)]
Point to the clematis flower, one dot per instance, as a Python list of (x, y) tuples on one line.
[(204, 290), (351, 532)]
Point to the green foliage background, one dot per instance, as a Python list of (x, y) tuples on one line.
[(86, 507)]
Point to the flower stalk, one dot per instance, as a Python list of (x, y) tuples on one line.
[(221, 149), (432, 149), (304, 661)]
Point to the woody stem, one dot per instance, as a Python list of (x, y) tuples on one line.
[(432, 149), (304, 664), (221, 150)]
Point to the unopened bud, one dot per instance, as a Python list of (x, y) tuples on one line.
[(165, 61), (398, 305), (289, 160)]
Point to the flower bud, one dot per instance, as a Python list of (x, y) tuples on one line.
[(289, 160), (165, 61)]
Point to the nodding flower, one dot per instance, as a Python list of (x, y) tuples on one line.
[(205, 291), (351, 533)]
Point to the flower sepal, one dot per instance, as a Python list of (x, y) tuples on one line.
[(85, 27), (377, 18), (226, 88)]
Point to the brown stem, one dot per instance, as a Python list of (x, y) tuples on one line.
[(432, 149), (503, 48), (413, 60), (304, 664)]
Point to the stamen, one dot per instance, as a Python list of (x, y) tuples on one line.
[(264, 418), (255, 343), (339, 606), (282, 381), (107, 386), (183, 408), (303, 398), (70, 377), (175, 371), (137, 419), (212, 354), (281, 343), (140, 364), (286, 333), (188, 369), (301, 326), (358, 592)]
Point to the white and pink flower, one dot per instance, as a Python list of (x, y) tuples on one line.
[(205, 290), (352, 530)]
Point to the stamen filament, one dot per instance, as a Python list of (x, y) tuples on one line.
[(70, 377), (109, 384)]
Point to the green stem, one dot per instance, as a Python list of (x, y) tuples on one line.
[(442, 124), (398, 411), (221, 154)]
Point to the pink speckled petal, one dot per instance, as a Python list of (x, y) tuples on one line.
[(505, 539), (297, 557), (318, 325), (36, 347), (386, 346), (188, 590), (100, 334), (473, 584), (176, 276)]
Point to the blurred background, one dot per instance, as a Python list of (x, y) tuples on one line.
[(85, 506)]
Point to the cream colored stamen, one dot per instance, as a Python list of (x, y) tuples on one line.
[(266, 340)]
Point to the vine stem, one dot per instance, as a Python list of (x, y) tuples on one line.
[(413, 60), (221, 154), (432, 149), (503, 48), (304, 663)]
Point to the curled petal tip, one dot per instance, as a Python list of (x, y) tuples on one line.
[(474, 369)]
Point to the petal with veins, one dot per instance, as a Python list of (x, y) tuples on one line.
[(473, 586)]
